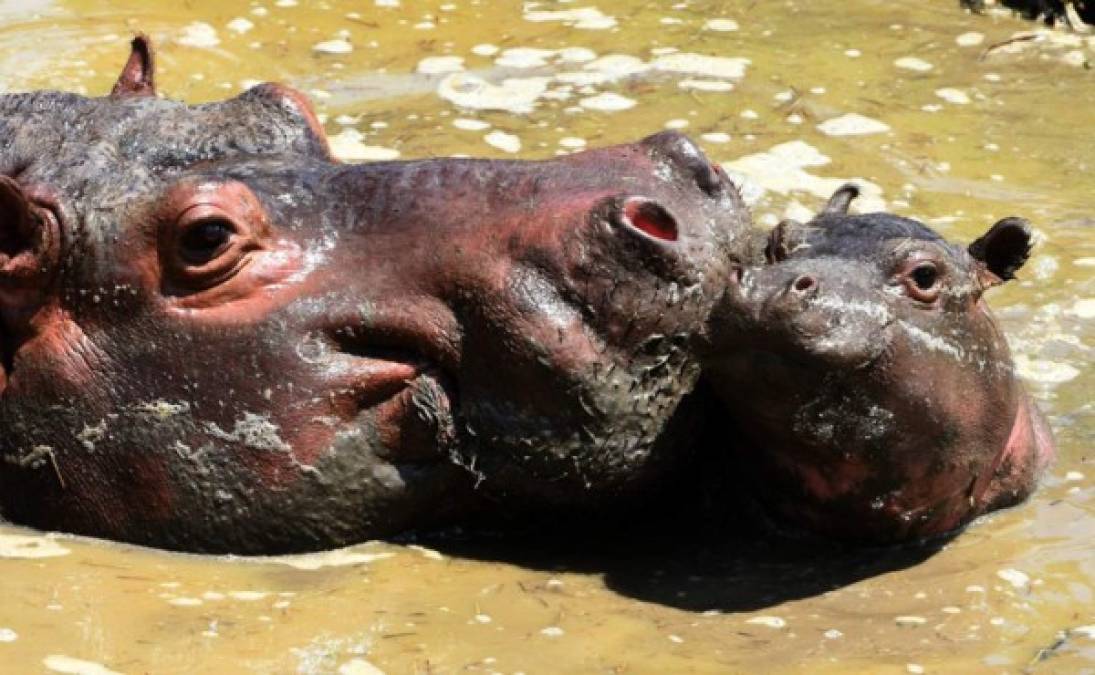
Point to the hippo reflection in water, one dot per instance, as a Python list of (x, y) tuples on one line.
[(216, 338)]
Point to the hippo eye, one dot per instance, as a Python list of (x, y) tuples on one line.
[(205, 239), (922, 281)]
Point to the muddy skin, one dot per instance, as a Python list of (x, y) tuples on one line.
[(889, 409), (216, 338)]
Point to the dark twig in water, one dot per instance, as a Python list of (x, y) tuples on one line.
[(1025, 37), (1045, 653)]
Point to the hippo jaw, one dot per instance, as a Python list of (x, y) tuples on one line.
[(889, 408)]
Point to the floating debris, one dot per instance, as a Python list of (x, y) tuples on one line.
[(28, 547), (503, 141), (572, 142), (343, 557), (439, 65), (782, 170), (909, 620), (607, 101), (971, 39), (706, 66), (8, 635), (832, 634), (769, 621), (66, 664), (913, 63), (1073, 476), (359, 667), (426, 552), (240, 25), (1016, 578), (524, 57), (470, 124), (336, 46), (552, 631), (485, 49), (952, 95), (852, 124), (615, 66), (516, 95), (1085, 308), (1085, 631), (706, 85), (1044, 370), (716, 137), (199, 34), (586, 18), (723, 25)]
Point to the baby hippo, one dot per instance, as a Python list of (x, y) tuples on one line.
[(875, 393)]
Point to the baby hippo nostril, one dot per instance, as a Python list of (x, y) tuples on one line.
[(804, 285)]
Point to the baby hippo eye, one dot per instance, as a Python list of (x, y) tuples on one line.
[(205, 239), (922, 281), (924, 276)]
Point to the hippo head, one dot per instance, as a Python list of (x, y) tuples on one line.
[(875, 389), (217, 338)]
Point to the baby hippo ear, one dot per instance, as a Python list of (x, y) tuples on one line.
[(841, 199), (1002, 250)]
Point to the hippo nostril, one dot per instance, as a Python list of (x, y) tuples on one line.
[(804, 285), (650, 218)]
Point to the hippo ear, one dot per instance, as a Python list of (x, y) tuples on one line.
[(1002, 250), (841, 199), (138, 74)]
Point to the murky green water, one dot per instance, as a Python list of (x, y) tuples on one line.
[(977, 131)]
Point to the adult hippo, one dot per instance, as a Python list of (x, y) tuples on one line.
[(874, 394), (216, 338)]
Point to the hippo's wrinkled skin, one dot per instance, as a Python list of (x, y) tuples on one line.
[(878, 399), (216, 338)]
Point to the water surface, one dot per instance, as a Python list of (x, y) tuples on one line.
[(966, 130)]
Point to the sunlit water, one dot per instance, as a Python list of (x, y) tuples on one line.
[(964, 131)]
